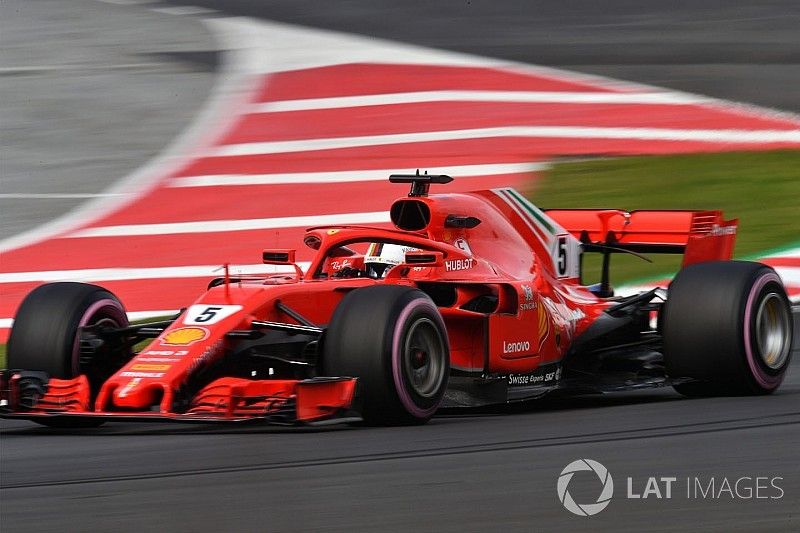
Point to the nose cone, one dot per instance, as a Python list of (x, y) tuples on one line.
[(137, 394)]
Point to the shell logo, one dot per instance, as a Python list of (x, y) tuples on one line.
[(184, 336), (149, 367)]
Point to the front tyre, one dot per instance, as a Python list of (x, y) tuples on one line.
[(46, 336), (393, 339), (727, 327)]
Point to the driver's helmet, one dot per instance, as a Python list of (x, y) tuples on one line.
[(381, 257)]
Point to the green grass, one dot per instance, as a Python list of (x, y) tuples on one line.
[(761, 189)]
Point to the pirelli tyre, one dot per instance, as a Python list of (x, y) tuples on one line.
[(46, 335), (393, 339), (727, 329)]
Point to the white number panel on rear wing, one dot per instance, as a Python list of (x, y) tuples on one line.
[(565, 252)]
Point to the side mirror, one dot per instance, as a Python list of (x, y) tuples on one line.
[(426, 259), (280, 256)]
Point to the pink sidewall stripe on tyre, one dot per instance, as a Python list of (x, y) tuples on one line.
[(763, 379), (397, 354)]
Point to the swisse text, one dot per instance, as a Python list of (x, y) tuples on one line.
[(516, 347)]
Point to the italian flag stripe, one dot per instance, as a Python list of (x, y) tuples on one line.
[(532, 216), (514, 204), (534, 211)]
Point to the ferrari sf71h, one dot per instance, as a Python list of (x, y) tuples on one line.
[(469, 299)]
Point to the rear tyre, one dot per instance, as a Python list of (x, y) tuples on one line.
[(393, 339), (46, 335), (728, 328)]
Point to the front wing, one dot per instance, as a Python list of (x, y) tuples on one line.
[(35, 396)]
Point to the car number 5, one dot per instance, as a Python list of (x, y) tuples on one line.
[(561, 252), (207, 314), (204, 314)]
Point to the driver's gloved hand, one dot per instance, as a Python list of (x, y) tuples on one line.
[(349, 272)]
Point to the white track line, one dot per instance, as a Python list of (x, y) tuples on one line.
[(127, 2), (6, 323), (183, 10), (23, 69), (226, 226), (457, 171), (54, 195), (522, 97), (572, 132), (125, 274), (139, 315), (789, 275), (793, 252)]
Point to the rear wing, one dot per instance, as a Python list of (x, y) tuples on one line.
[(698, 235)]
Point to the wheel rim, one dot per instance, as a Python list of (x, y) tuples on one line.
[(105, 311), (772, 331), (423, 355)]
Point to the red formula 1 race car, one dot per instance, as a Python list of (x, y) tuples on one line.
[(471, 299)]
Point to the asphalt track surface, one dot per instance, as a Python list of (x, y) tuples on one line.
[(481, 471)]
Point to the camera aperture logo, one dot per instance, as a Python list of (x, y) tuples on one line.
[(585, 509)]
